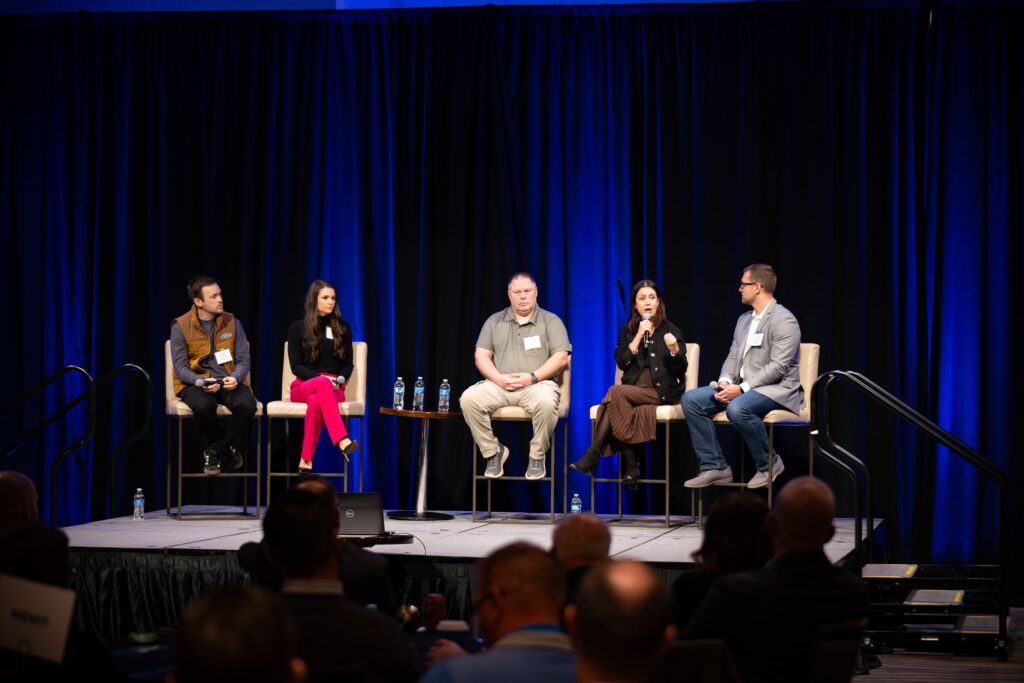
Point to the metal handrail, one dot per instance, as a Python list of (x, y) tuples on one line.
[(880, 395), (89, 394), (134, 438)]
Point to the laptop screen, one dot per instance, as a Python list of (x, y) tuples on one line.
[(362, 514)]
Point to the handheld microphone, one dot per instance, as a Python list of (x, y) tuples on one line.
[(715, 386), (647, 335), (203, 382)]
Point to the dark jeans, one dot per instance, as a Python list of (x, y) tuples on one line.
[(220, 432)]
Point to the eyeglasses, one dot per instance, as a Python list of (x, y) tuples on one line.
[(748, 284)]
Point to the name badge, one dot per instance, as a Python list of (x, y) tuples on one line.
[(531, 342), (330, 333), (755, 340), (223, 356)]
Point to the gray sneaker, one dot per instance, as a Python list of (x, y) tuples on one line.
[(709, 477), (496, 463), (536, 469), (760, 480)]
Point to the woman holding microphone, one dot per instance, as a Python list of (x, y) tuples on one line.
[(652, 356)]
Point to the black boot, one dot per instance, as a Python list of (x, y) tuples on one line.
[(588, 462), (630, 468)]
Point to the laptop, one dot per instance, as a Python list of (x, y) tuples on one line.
[(362, 514)]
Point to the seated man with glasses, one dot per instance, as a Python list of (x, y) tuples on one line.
[(761, 374), (517, 602)]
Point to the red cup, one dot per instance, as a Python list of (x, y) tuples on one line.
[(434, 612)]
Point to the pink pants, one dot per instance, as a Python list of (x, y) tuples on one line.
[(322, 400)]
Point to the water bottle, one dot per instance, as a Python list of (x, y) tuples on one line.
[(399, 402), (138, 505), (418, 390), (442, 399), (576, 506)]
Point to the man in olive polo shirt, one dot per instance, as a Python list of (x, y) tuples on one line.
[(520, 352)]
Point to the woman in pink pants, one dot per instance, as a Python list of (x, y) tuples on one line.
[(320, 353)]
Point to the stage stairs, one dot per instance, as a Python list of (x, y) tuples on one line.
[(923, 607), (935, 608)]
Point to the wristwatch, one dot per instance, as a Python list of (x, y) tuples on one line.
[(533, 378)]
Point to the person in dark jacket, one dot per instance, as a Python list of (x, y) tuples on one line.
[(651, 353), (736, 539), (771, 618), (320, 353)]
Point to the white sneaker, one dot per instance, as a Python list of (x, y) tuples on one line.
[(760, 480), (496, 463), (709, 477)]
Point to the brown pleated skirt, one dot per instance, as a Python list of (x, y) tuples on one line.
[(632, 412)]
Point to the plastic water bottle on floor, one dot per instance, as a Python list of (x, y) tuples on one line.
[(399, 401), (444, 396), (138, 505), (418, 390), (576, 506)]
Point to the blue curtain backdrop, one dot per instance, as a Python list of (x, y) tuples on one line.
[(871, 151)]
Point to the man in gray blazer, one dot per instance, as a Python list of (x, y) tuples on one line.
[(761, 374)]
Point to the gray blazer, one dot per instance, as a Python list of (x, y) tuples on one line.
[(773, 368)]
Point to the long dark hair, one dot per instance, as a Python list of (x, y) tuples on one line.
[(311, 323), (660, 315)]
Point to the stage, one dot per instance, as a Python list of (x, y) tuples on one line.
[(134, 576)]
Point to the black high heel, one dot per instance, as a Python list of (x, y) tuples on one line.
[(588, 462), (630, 469)]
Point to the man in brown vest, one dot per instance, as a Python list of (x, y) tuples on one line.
[(211, 366)]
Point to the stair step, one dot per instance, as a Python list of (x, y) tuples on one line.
[(934, 598), (888, 571)]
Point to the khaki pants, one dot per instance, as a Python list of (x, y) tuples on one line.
[(540, 401)]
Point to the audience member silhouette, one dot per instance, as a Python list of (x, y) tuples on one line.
[(19, 501), (578, 543), (38, 553), (770, 617), (365, 575), (735, 539), (236, 634), (518, 596), (335, 634), (621, 622)]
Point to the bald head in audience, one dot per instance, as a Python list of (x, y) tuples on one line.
[(19, 502), (620, 623), (802, 517), (517, 585), (580, 540)]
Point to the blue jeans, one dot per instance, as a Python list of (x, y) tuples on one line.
[(745, 412)]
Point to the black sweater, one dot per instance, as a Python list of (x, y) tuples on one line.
[(304, 367), (667, 372)]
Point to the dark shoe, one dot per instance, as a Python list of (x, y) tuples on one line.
[(211, 463), (349, 448), (304, 467), (588, 462), (231, 458), (630, 469)]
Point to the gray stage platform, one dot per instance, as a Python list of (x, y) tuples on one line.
[(456, 538)]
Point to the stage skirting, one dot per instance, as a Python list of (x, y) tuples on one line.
[(135, 576)]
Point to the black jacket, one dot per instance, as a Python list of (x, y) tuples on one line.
[(667, 373)]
